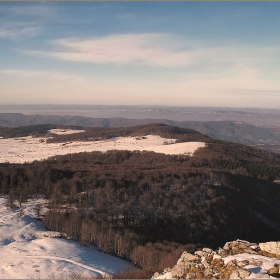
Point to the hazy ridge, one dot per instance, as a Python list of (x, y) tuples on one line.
[(239, 132)]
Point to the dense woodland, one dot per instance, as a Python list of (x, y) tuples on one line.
[(148, 207)]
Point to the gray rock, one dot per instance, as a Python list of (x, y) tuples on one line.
[(274, 270), (226, 246), (271, 247), (155, 275), (207, 250), (201, 253), (262, 276), (187, 257), (190, 276), (222, 252), (208, 272), (205, 263), (179, 271), (255, 247), (240, 274), (242, 263)]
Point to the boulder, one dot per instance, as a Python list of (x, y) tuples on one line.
[(261, 276), (240, 273), (156, 275), (274, 270), (180, 270), (240, 246), (190, 276), (200, 253), (207, 250), (222, 252), (209, 264), (208, 273), (168, 269), (242, 263), (228, 269), (187, 257), (271, 247)]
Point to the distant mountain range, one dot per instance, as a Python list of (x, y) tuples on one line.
[(238, 132)]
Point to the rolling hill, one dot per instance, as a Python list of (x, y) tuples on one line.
[(144, 205), (239, 132)]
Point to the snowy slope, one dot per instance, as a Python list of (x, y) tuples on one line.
[(28, 149), (28, 251)]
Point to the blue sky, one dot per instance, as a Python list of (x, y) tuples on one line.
[(140, 53)]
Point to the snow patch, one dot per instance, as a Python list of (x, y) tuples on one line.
[(64, 131), (28, 250), (29, 149)]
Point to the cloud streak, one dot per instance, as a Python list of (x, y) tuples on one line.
[(31, 74), (138, 49), (156, 50), (17, 30)]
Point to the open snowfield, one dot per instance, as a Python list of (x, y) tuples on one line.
[(28, 149), (65, 131), (29, 251)]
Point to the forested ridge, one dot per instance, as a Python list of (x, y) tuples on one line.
[(32, 130), (147, 207), (163, 130)]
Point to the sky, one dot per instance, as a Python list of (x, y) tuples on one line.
[(222, 54)]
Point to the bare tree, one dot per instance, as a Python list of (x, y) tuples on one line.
[(38, 209)]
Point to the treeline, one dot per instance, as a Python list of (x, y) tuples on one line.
[(32, 130), (146, 207), (166, 131)]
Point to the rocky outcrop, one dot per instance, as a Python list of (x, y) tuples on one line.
[(271, 247), (238, 259)]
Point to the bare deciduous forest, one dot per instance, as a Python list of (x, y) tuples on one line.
[(148, 207)]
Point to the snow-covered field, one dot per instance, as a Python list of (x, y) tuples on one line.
[(29, 251), (28, 149), (65, 131)]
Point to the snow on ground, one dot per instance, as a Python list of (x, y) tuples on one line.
[(29, 251), (262, 263), (64, 131), (28, 149)]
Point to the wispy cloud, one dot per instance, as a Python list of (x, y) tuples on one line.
[(19, 29), (156, 50), (25, 19), (141, 49), (55, 75)]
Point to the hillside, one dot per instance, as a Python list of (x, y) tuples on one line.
[(147, 207), (29, 251), (234, 131), (240, 132)]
